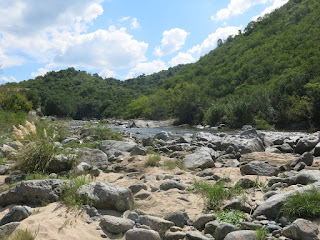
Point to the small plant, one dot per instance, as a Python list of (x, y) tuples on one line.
[(69, 196), (233, 217), (216, 193), (172, 164), (261, 234), (305, 204), (153, 161), (103, 132), (1, 161), (22, 235)]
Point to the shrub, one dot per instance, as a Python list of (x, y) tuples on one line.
[(305, 205), (103, 132), (153, 160), (261, 234), (233, 217), (216, 193)]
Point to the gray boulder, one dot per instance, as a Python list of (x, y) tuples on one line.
[(301, 229), (16, 214), (116, 225), (137, 187), (140, 233), (258, 168), (223, 229), (94, 157), (201, 221), (138, 151), (174, 236), (306, 177), (4, 169), (202, 158), (155, 223), (110, 147), (165, 136), (7, 229), (307, 144), (306, 158), (242, 235), (166, 185), (195, 236), (316, 151), (179, 218), (61, 163), (107, 196), (272, 206), (34, 192)]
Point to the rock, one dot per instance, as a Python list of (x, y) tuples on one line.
[(14, 178), (142, 195), (306, 158), (284, 148), (272, 150), (179, 218), (110, 147), (305, 177), (16, 214), (200, 222), (155, 223), (306, 144), (61, 163), (300, 166), (301, 229), (116, 225), (316, 151), (142, 234), (211, 227), (4, 169), (137, 187), (34, 192), (107, 196), (272, 227), (250, 226), (258, 168), (94, 157), (245, 183), (138, 151), (223, 229), (245, 144), (165, 136), (82, 168), (241, 235), (166, 185), (272, 206), (195, 236), (7, 229), (69, 140), (202, 158), (174, 236), (238, 204)]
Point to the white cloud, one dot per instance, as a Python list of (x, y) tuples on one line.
[(147, 68), (106, 73), (124, 19), (172, 41), (9, 79), (236, 7), (40, 72), (9, 61), (182, 58), (112, 49), (276, 4), (135, 24)]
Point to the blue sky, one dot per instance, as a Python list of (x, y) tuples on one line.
[(116, 38)]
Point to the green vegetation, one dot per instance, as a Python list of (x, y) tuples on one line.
[(103, 132), (22, 234), (233, 217), (172, 164), (153, 161), (305, 205), (216, 193), (261, 234)]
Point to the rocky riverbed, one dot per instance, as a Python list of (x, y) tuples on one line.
[(132, 200)]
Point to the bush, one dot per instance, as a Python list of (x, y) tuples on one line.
[(261, 234), (22, 235), (215, 114), (216, 193), (233, 217), (153, 161), (305, 205)]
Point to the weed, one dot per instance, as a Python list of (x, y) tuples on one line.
[(153, 161), (261, 234), (172, 164), (22, 235), (216, 193), (305, 205), (233, 217), (103, 132), (1, 161)]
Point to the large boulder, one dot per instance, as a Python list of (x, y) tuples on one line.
[(316, 151), (16, 214), (223, 229), (155, 223), (301, 229), (35, 192), (179, 218), (7, 229), (306, 158), (94, 157), (110, 146), (169, 184), (306, 177), (107, 196), (272, 206), (307, 143), (258, 168), (244, 144), (242, 235), (141, 233), (116, 225), (202, 158), (61, 163)]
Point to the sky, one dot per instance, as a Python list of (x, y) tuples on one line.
[(116, 38)]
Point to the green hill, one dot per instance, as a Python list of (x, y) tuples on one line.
[(269, 74)]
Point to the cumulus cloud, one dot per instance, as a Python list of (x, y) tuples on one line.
[(172, 41), (182, 58), (276, 4), (40, 72), (106, 73), (9, 61), (236, 7), (8, 79), (147, 68), (135, 24)]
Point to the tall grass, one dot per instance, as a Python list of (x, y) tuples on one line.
[(153, 161), (21, 234)]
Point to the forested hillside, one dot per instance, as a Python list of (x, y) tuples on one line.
[(267, 75)]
